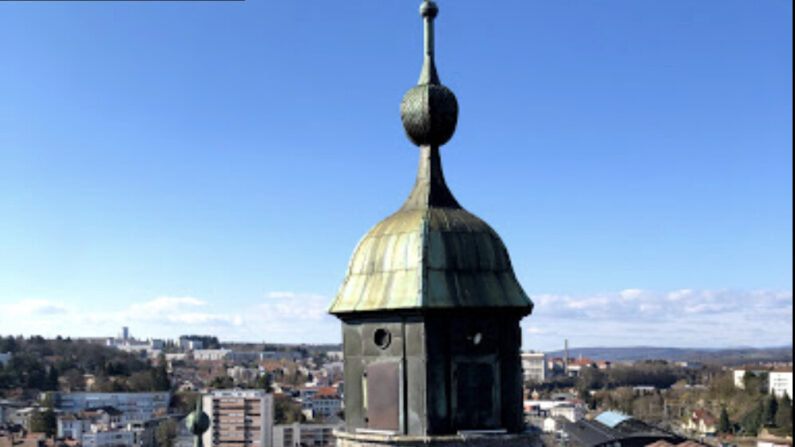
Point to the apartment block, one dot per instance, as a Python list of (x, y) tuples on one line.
[(133, 406), (534, 366), (239, 418), (305, 435), (780, 382)]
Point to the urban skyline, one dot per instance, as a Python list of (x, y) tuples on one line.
[(636, 159)]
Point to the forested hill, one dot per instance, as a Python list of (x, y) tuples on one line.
[(728, 357), (39, 364)]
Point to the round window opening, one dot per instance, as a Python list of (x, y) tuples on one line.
[(382, 338), (477, 338)]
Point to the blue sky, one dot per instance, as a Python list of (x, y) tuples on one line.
[(209, 167)]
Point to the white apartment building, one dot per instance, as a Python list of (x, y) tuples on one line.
[(242, 375), (133, 406), (245, 356), (170, 357), (304, 435), (103, 427), (572, 412), (210, 354), (780, 382), (239, 418), (187, 344), (277, 356), (72, 427), (534, 366), (739, 375), (108, 438), (334, 355)]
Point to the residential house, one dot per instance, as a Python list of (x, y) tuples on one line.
[(702, 422)]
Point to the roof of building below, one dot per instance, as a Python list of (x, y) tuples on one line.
[(628, 431), (611, 418)]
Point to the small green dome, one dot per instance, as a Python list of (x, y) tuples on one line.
[(430, 254)]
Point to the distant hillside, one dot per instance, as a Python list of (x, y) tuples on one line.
[(728, 356)]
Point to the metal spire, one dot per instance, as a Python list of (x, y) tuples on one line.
[(428, 11), (429, 110)]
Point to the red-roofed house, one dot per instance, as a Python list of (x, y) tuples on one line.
[(702, 421), (326, 402)]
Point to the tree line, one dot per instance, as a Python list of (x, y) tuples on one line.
[(39, 364)]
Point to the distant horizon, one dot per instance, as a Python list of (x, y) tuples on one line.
[(571, 348), (287, 343)]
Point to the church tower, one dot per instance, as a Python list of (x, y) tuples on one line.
[(430, 306)]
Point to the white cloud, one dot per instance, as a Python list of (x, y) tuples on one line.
[(34, 307), (277, 317), (685, 317), (669, 305), (165, 304)]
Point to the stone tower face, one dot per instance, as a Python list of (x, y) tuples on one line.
[(430, 305)]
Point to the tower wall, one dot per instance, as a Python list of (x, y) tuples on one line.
[(474, 373), (436, 374), (377, 372)]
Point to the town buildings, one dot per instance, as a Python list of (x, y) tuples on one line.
[(780, 382), (124, 342), (319, 401), (239, 418), (326, 403), (134, 407), (75, 425), (739, 374), (576, 366), (305, 435), (569, 411), (188, 344), (242, 375), (701, 421), (534, 366), (610, 429), (112, 438), (104, 427), (210, 354)]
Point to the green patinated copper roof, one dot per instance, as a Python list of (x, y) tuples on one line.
[(431, 254)]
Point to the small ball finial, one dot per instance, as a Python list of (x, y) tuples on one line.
[(429, 9)]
